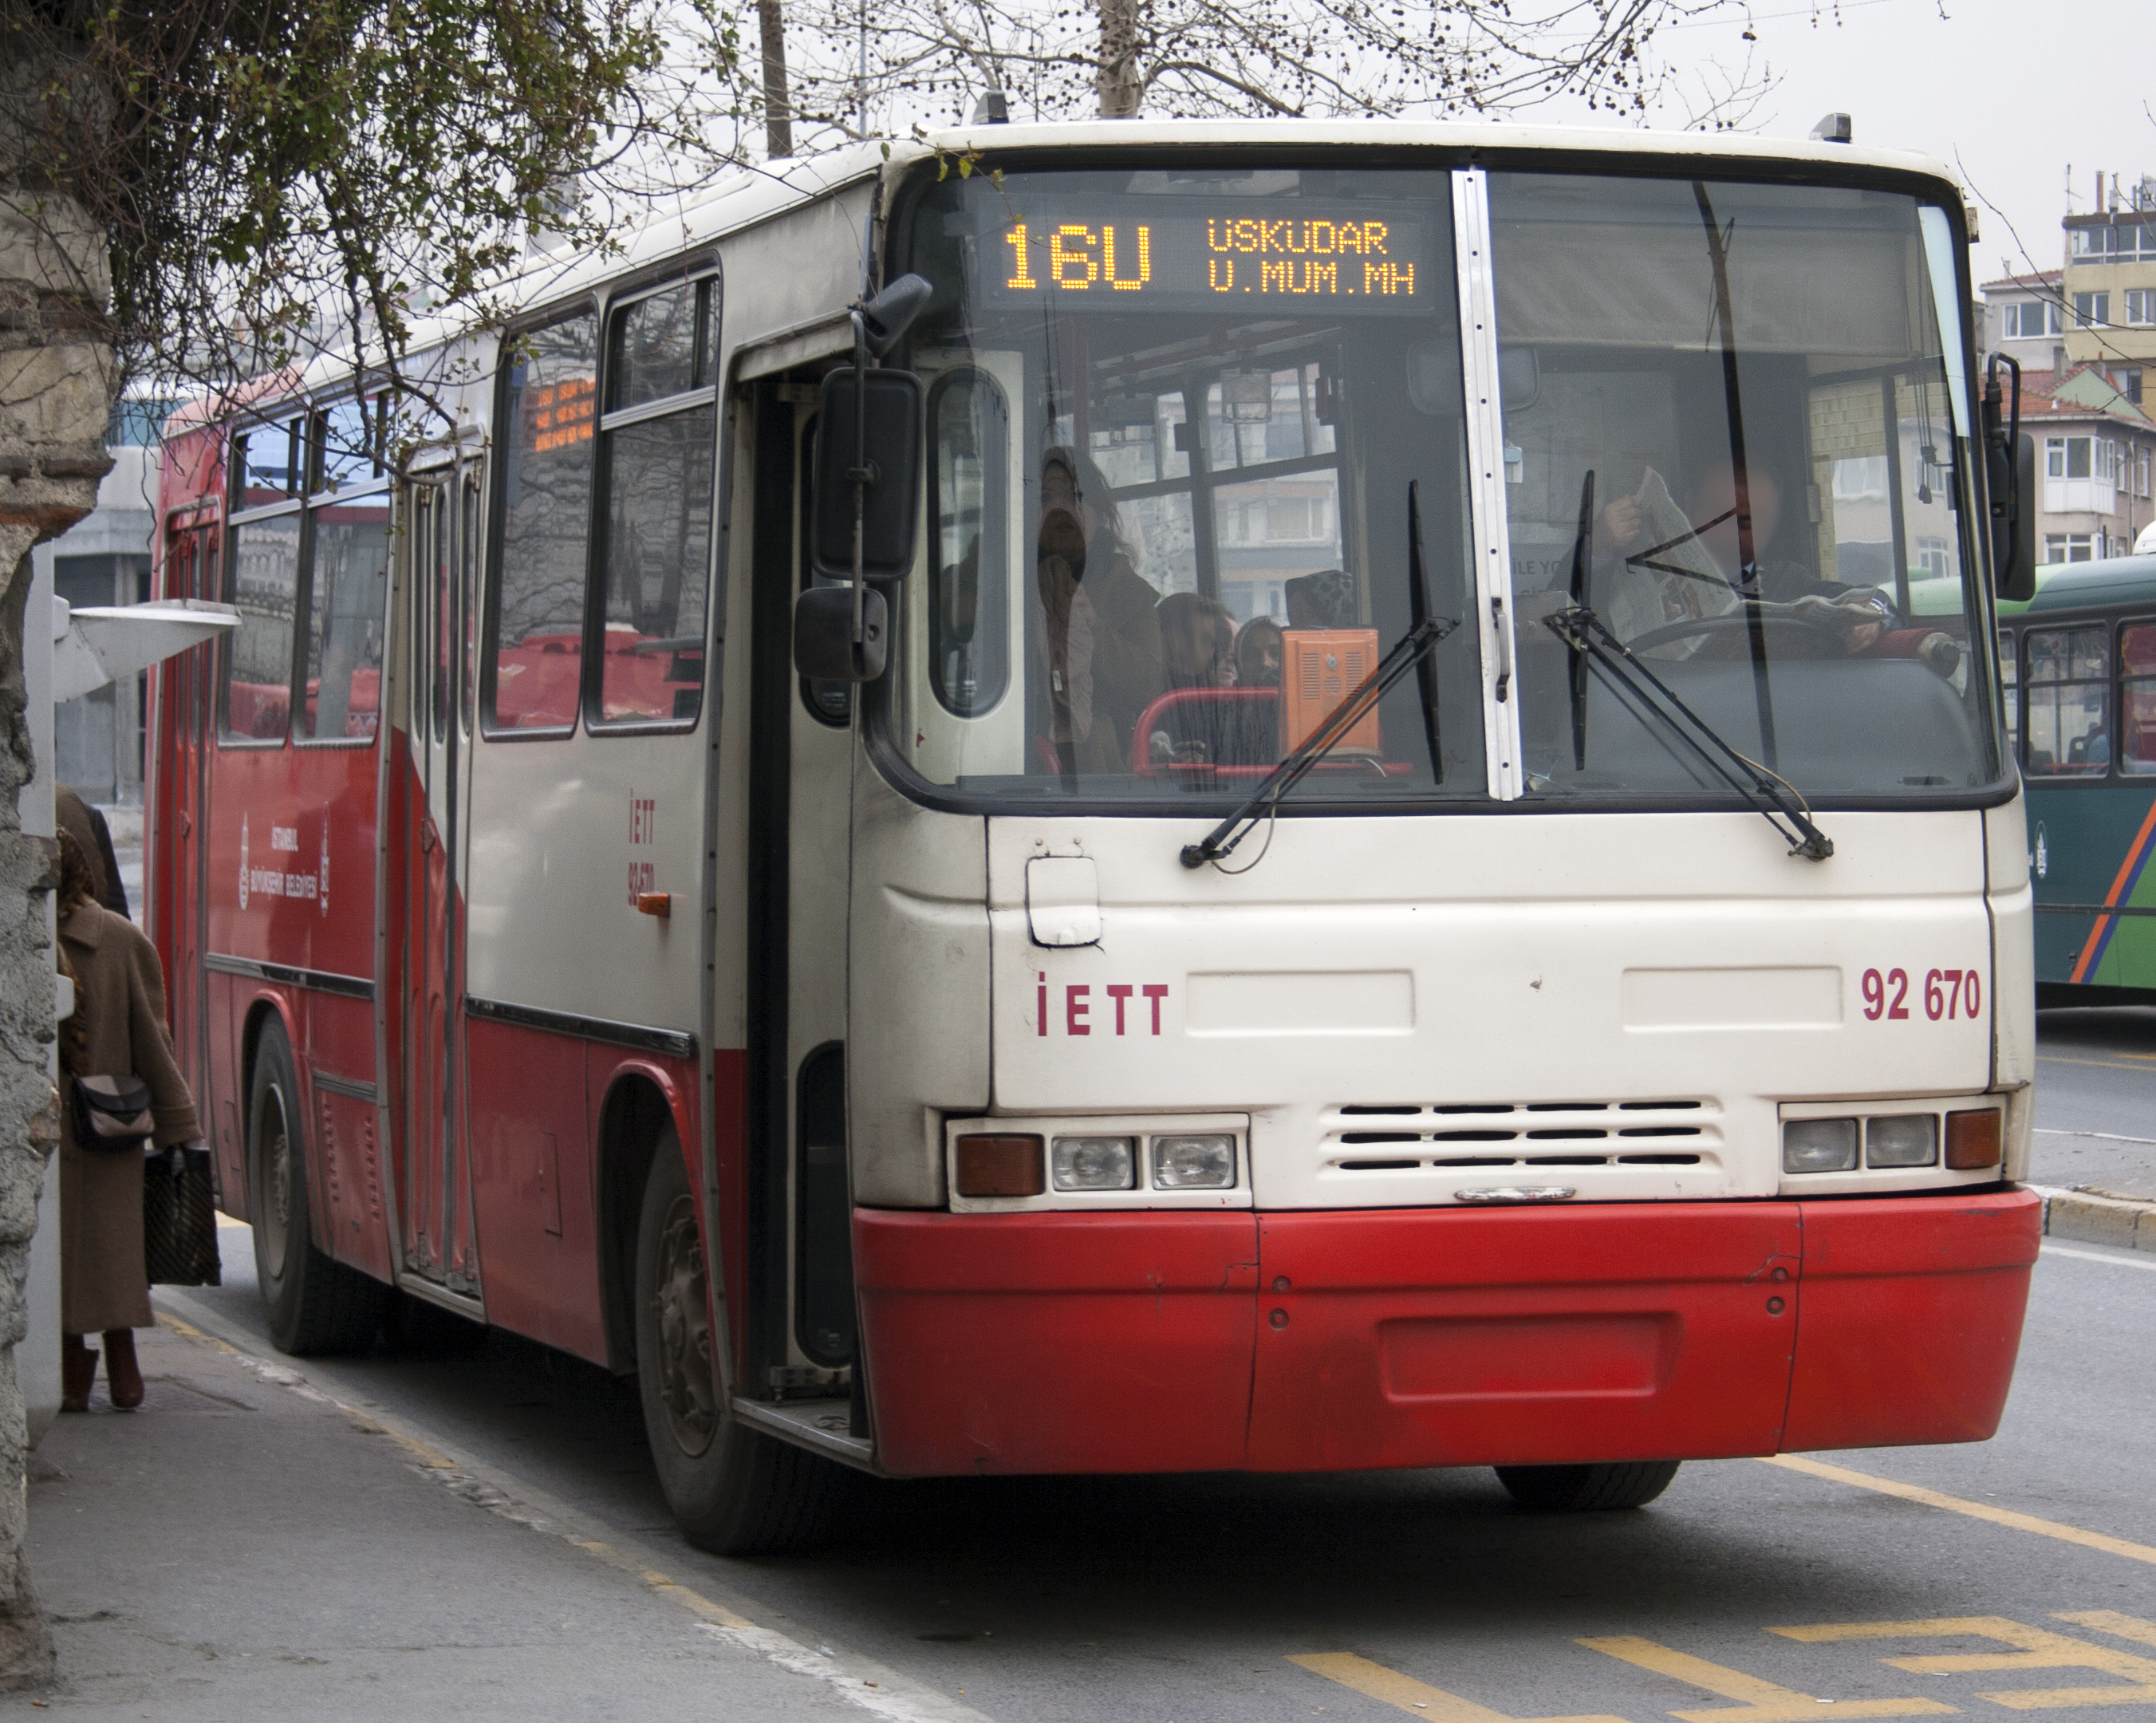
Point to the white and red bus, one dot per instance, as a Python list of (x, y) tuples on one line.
[(1086, 1018)]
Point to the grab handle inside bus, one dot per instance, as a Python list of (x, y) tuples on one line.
[(2011, 483)]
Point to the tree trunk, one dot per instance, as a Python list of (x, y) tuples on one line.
[(56, 391), (1116, 80), (777, 104)]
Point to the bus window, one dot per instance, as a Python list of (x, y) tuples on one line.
[(536, 623), (256, 700), (472, 492), (1731, 428), (2136, 698), (346, 614), (2068, 681), (661, 431), (2008, 672), (968, 625), (267, 461), (1173, 424)]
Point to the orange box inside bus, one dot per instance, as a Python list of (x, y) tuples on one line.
[(1324, 666)]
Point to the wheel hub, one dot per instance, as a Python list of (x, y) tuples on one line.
[(682, 1304)]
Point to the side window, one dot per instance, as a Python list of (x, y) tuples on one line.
[(660, 430), (2136, 698), (2009, 676), (534, 641), (968, 630), (2066, 686), (267, 466), (348, 588)]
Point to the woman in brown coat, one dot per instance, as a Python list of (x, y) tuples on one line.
[(118, 1030)]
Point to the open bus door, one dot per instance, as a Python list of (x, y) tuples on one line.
[(429, 860)]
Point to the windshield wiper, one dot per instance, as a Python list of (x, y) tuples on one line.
[(1779, 804), (1583, 557), (1411, 653)]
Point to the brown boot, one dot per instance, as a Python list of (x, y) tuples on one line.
[(78, 1371), (123, 1376)]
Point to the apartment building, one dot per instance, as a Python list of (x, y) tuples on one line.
[(2085, 336)]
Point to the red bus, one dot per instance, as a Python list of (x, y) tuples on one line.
[(1611, 1046)]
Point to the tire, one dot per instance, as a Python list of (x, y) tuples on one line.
[(733, 1490), (316, 1303), (1579, 1489)]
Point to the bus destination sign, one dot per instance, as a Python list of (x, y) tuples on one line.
[(1130, 258)]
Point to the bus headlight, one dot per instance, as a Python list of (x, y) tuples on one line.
[(1901, 1140), (1972, 1140), (1819, 1145), (1094, 1163), (1193, 1163)]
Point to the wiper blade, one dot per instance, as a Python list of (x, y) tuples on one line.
[(1778, 804), (1413, 647), (1583, 560), (1412, 652)]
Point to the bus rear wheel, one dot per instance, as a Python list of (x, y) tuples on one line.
[(316, 1303), (733, 1490), (1579, 1489)]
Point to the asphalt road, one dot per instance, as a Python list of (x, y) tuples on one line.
[(2095, 1101), (2019, 1575)]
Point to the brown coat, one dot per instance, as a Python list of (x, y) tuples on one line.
[(120, 1006)]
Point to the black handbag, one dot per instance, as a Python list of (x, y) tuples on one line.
[(110, 1112), (179, 1218)]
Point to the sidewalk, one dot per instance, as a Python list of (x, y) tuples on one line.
[(2098, 1189), (246, 1546)]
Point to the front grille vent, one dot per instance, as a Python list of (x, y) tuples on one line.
[(1487, 1135)]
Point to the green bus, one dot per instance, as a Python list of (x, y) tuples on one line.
[(2079, 665)]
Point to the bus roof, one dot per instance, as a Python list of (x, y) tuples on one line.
[(2081, 585), (742, 197)]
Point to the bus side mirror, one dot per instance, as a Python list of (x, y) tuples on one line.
[(889, 459), (2009, 472), (825, 646)]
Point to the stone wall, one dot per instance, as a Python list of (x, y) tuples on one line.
[(56, 388)]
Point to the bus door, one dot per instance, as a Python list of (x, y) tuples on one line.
[(185, 690), (428, 920)]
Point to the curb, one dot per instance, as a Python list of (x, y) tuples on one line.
[(2093, 1217)]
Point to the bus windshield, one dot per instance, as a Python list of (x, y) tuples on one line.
[(1174, 419)]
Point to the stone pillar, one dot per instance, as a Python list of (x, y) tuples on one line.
[(56, 389)]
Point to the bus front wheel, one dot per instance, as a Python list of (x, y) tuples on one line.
[(733, 1490), (316, 1303), (1578, 1490)]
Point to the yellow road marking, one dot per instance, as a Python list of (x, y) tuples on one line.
[(1405, 1693), (1764, 1702), (2110, 1621), (2037, 1649), (1958, 1505), (2109, 1064), (663, 1585)]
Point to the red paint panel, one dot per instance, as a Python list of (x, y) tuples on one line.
[(1426, 1337), (1056, 1342), (1912, 1317), (530, 1145)]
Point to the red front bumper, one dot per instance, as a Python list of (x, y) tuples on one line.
[(1149, 1342)]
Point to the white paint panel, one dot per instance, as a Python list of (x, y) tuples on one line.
[(1515, 933), (1063, 900), (1301, 1003), (1706, 999)]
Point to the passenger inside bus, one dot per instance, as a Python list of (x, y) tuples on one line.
[(1101, 635)]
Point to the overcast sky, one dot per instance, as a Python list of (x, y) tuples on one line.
[(2018, 89)]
